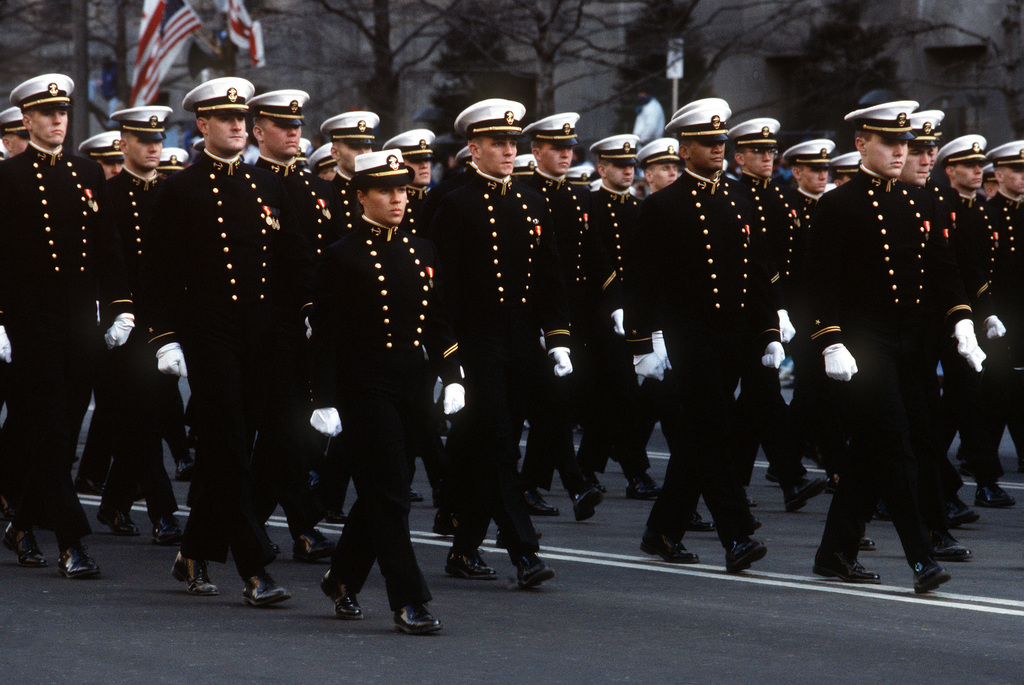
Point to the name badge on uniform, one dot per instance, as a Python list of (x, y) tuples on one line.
[(536, 230), (273, 217), (91, 202), (323, 208), (430, 276)]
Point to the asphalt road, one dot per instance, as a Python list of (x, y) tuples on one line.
[(611, 614)]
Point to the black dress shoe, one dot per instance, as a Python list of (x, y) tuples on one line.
[(797, 494), (590, 478), (666, 548), (992, 496), (642, 487), (166, 531), (345, 605), (309, 547), (531, 571), (742, 554), (945, 547), (194, 574), (415, 496), (445, 522), (928, 576), (536, 506), (699, 525), (75, 562), (119, 522), (336, 517), (261, 590), (867, 545), (959, 513), (87, 486), (183, 470), (414, 619), (23, 543), (469, 566), (584, 504), (836, 565)]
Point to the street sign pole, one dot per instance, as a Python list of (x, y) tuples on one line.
[(674, 68)]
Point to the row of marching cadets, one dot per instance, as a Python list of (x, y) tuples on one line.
[(293, 302)]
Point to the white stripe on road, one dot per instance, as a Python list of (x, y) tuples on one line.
[(892, 593)]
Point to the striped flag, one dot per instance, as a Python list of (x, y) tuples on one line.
[(165, 26), (245, 33)]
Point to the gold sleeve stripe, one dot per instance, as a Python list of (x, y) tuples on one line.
[(638, 339), (450, 350), (771, 330), (823, 331), (161, 336), (981, 290), (120, 301), (608, 282), (775, 278), (557, 331), (959, 306)]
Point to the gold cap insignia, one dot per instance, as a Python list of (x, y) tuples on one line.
[(232, 94), (1022, 154), (824, 153), (716, 121), (765, 131), (927, 128), (566, 128), (294, 106), (174, 159), (626, 147), (393, 162), (976, 147), (53, 89), (510, 118), (423, 144), (533, 165), (154, 121), (361, 126), (671, 150), (116, 144), (901, 119)]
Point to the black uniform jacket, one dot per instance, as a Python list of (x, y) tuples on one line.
[(593, 289), (315, 202), (377, 304), (777, 220), (875, 254), (351, 210), (222, 248), (59, 248), (505, 282), (696, 261)]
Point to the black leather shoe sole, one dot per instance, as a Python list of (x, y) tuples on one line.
[(469, 574), (670, 556), (533, 578), (417, 628), (812, 489), (994, 503), (826, 572), (585, 506), (931, 581), (743, 561)]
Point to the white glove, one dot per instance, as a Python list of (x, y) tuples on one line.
[(994, 328), (839, 363), (171, 361), (454, 398), (119, 331), (309, 329), (658, 342), (967, 343), (563, 365), (326, 421), (773, 355), (649, 365), (5, 346), (786, 328), (543, 342), (617, 320)]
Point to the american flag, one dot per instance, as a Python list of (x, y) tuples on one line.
[(245, 33), (165, 26)]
